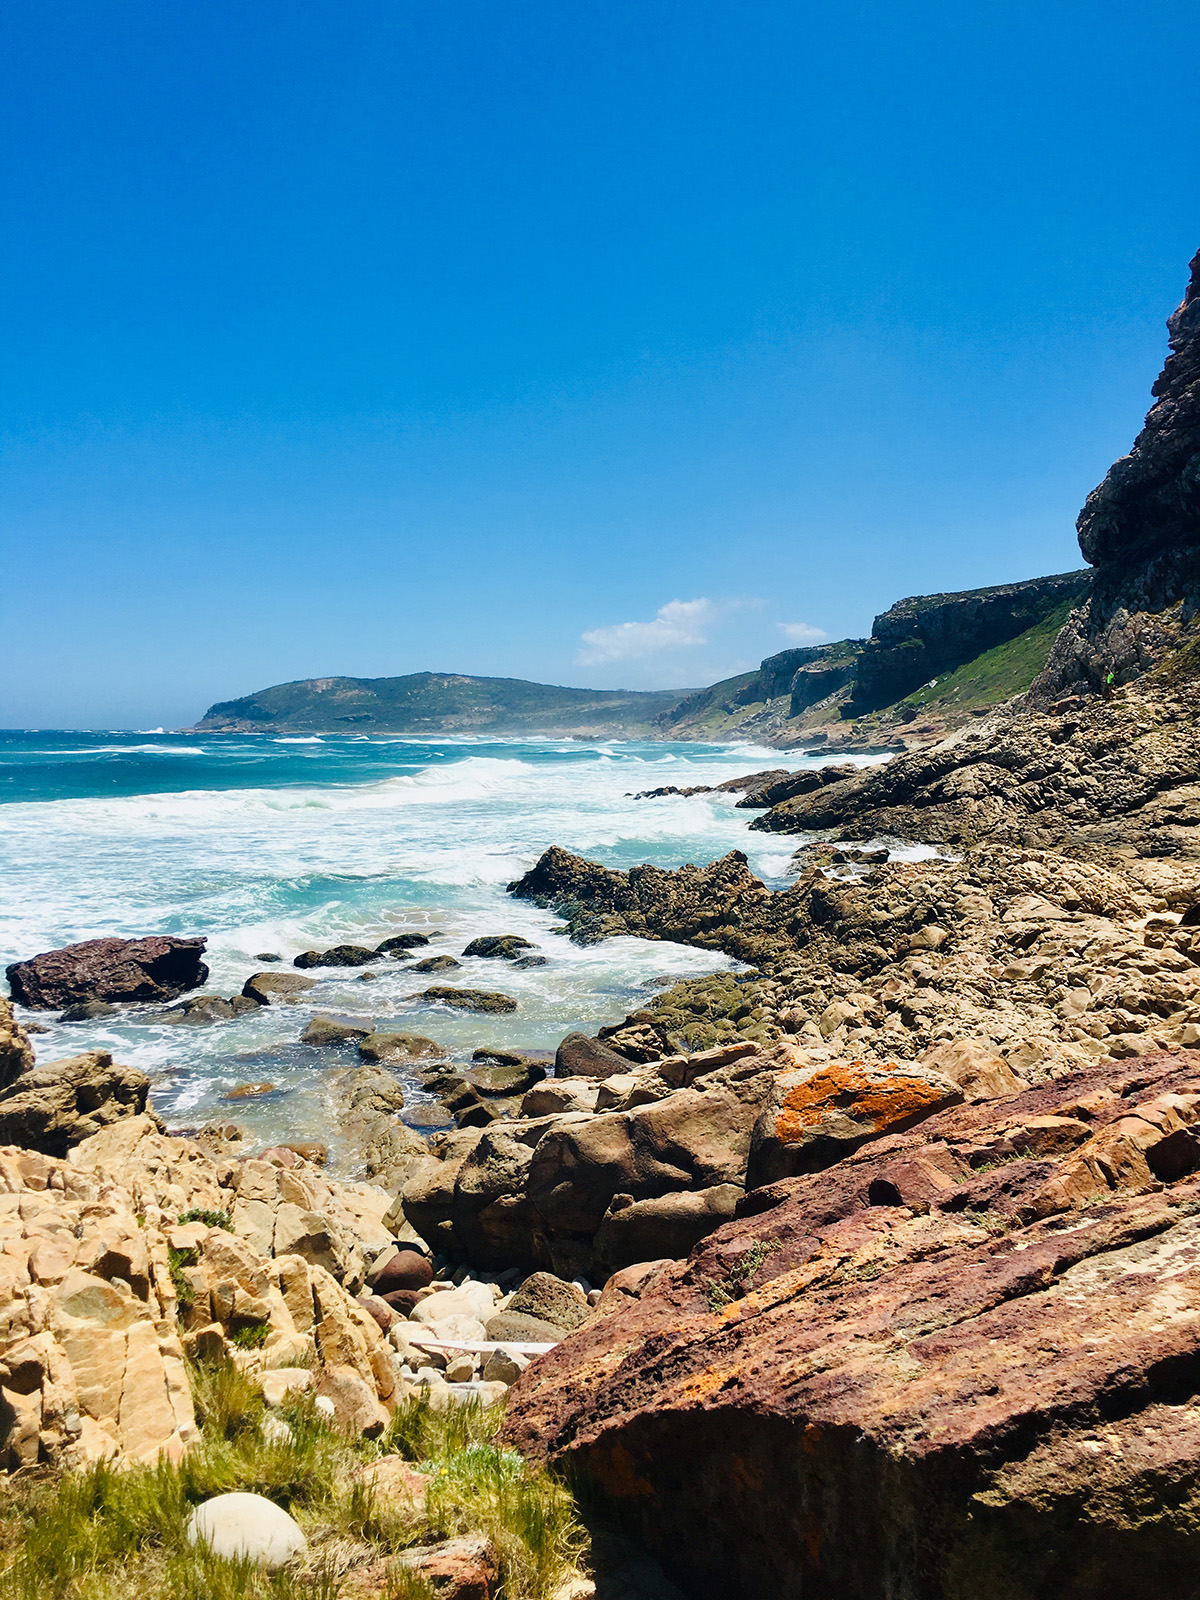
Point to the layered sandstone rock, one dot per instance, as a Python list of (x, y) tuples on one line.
[(959, 1357), (105, 1283), (51, 1105)]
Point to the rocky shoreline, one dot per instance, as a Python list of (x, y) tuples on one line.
[(871, 1268)]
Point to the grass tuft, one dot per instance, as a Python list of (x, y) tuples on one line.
[(108, 1533)]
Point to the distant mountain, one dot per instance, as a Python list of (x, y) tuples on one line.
[(440, 702)]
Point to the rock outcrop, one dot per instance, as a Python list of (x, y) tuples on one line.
[(54, 1105), (1140, 530), (957, 1363), (106, 1282), (922, 637), (155, 968)]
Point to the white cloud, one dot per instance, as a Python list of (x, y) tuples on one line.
[(801, 632), (678, 624)]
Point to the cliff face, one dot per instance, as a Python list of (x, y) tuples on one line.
[(922, 637), (1140, 529)]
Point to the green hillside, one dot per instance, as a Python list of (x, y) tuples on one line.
[(997, 674), (439, 702)]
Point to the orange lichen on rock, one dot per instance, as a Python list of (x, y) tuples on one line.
[(887, 1097)]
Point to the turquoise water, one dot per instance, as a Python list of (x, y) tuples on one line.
[(268, 844)]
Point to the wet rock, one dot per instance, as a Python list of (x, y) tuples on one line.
[(251, 1091), (400, 943), (470, 999), (323, 1030), (89, 1011), (504, 1080), (341, 955), (390, 1048), (154, 968), (266, 988), (579, 1056), (206, 1008), (502, 946), (525, 962), (436, 964)]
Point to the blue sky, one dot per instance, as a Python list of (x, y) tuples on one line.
[(608, 344)]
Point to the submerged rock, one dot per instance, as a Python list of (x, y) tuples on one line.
[(470, 999)]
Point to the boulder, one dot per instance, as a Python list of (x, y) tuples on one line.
[(202, 1009), (504, 1080), (525, 962), (153, 968), (499, 946), (399, 1269), (356, 1406), (56, 1104), (457, 1569), (976, 1067), (265, 988), (251, 1091), (400, 943), (341, 955), (578, 1056), (89, 1011), (436, 964), (247, 1526), (470, 999), (552, 1299), (323, 1030), (817, 1114), (669, 1226), (518, 1327), (944, 1323)]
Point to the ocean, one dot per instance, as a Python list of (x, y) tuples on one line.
[(268, 844)]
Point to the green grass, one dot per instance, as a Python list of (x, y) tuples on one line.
[(107, 1533), (997, 674)]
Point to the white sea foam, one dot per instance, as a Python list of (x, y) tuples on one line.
[(428, 847)]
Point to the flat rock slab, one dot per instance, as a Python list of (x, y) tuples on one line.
[(240, 1525), (154, 968), (470, 999)]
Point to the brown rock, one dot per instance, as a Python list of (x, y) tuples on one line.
[(581, 1057), (470, 999), (16, 1052), (250, 1091), (550, 1298), (390, 1048), (402, 1269), (323, 1030), (268, 987), (818, 1114), (154, 968), (458, 1569)]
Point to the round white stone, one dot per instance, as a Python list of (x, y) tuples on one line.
[(235, 1525)]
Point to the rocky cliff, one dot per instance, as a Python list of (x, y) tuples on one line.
[(1140, 530), (928, 635)]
